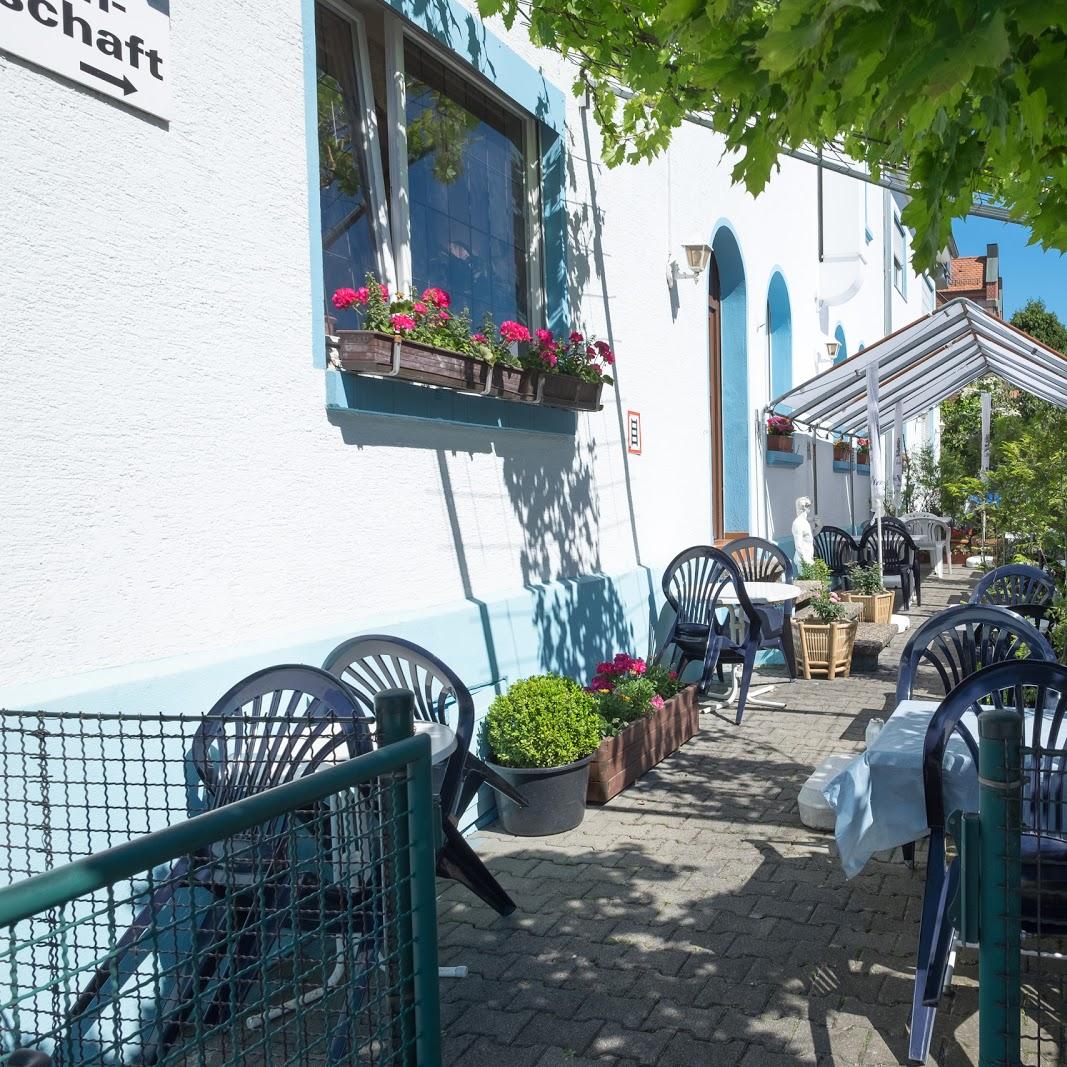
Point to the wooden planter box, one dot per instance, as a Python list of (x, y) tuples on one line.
[(826, 648), (843, 453), (877, 608), (365, 352), (779, 442), (622, 759)]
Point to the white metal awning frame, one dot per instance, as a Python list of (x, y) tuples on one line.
[(922, 364)]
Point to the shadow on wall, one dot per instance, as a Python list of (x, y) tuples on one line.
[(553, 492)]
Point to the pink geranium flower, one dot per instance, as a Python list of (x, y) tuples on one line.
[(345, 298), (419, 308), (402, 323), (576, 337), (437, 297), (480, 338), (544, 336), (550, 359), (514, 331), (658, 702), (443, 316)]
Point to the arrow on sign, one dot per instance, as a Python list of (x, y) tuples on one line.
[(122, 83)]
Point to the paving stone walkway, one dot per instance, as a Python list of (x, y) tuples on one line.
[(694, 920)]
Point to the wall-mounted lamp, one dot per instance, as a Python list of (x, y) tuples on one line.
[(831, 348), (697, 256)]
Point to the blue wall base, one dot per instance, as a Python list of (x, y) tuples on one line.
[(784, 459)]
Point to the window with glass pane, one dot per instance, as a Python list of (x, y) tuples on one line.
[(467, 192), (899, 254), (349, 241)]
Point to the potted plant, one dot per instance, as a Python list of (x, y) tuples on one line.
[(863, 452), (647, 714), (541, 734), (826, 638), (780, 432), (866, 588), (418, 339), (843, 450)]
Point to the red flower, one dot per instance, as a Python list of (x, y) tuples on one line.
[(437, 297), (419, 308), (480, 338), (345, 298), (514, 331), (443, 316), (402, 323), (549, 358), (576, 337), (544, 336)]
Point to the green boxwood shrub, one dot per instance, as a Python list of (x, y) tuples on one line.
[(546, 721)]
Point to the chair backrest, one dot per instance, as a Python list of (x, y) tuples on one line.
[(898, 548), (961, 640), (1027, 590), (1023, 685), (927, 526), (694, 583), (760, 560), (371, 663), (837, 548), (273, 727)]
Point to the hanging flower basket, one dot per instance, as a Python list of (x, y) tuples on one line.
[(826, 648), (863, 457), (842, 451), (779, 442)]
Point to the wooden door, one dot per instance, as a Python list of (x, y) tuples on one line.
[(718, 522)]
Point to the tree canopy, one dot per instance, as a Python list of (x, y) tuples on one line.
[(961, 98)]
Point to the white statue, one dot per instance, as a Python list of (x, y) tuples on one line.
[(803, 537)]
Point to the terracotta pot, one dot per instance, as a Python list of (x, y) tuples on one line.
[(622, 759), (876, 608), (779, 442), (825, 648), (863, 458), (843, 453)]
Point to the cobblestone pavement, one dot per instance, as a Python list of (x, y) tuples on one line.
[(694, 920)]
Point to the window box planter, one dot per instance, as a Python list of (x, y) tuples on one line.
[(826, 648), (877, 608), (622, 759), (366, 352), (779, 442)]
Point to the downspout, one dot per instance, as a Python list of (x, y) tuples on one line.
[(818, 202)]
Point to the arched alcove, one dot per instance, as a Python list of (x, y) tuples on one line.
[(842, 345), (780, 336)]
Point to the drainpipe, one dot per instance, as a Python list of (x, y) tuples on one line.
[(818, 202)]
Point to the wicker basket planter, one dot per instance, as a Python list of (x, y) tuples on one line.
[(366, 352), (877, 608), (826, 648), (622, 759)]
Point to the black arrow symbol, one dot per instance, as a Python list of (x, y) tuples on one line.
[(122, 83)]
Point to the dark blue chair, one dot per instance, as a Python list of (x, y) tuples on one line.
[(900, 556), (1040, 687), (222, 909), (372, 663), (955, 643), (1026, 590), (838, 549), (703, 584)]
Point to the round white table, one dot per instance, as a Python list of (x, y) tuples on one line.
[(758, 593), (442, 739)]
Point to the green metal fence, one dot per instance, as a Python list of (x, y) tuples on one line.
[(296, 926), (1013, 897)]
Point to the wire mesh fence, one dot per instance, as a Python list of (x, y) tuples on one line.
[(142, 922)]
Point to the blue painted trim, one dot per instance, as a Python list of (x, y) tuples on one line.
[(865, 470), (842, 352), (867, 233), (554, 229), (784, 459), (843, 466), (780, 326), (311, 132), (355, 394)]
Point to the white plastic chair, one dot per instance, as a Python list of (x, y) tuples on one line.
[(932, 533)]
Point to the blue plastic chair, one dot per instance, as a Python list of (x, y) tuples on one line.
[(694, 584), (1027, 590), (838, 549), (374, 662), (961, 640), (1016, 683), (274, 726)]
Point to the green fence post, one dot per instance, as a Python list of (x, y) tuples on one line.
[(999, 809), (395, 711)]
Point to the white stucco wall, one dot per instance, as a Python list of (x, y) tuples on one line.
[(170, 483)]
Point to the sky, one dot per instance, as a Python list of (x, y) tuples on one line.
[(1028, 272)]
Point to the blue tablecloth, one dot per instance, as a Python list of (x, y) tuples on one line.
[(879, 799)]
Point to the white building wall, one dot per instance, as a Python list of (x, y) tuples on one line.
[(171, 484)]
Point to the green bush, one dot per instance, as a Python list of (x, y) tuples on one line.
[(816, 571), (865, 580), (632, 699), (546, 721)]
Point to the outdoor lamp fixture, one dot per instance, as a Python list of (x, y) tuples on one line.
[(831, 348), (697, 256)]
